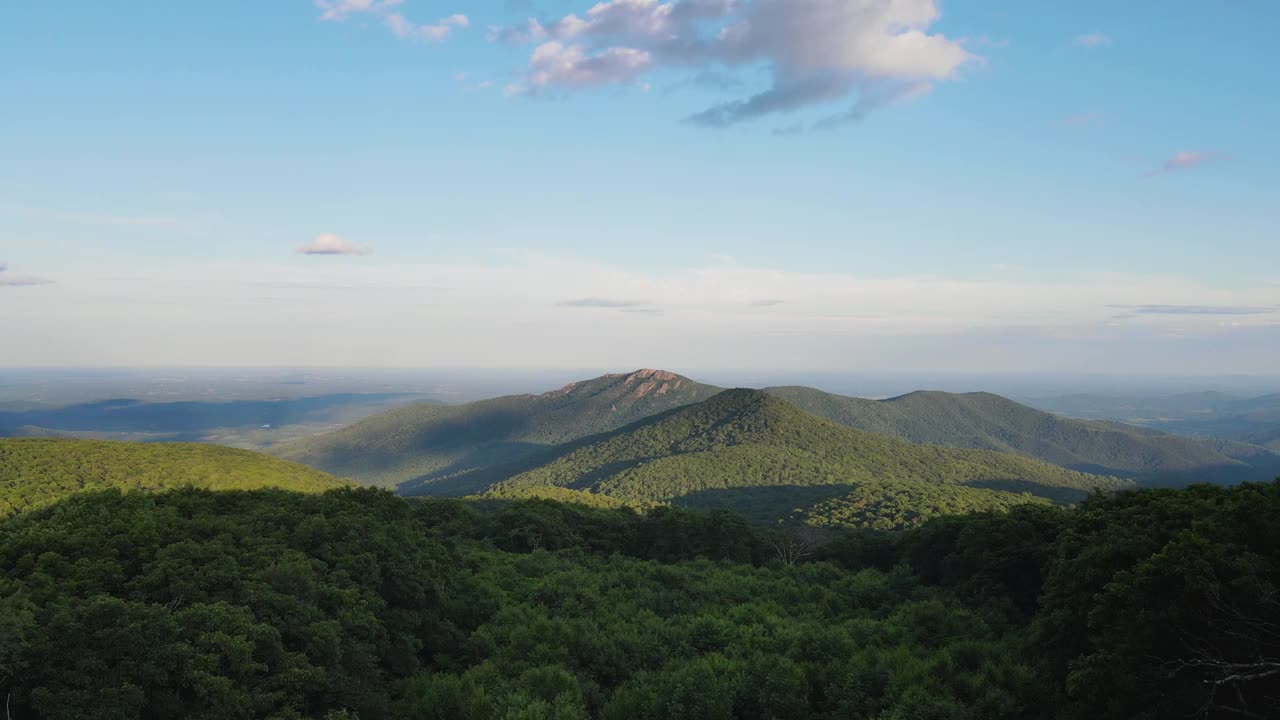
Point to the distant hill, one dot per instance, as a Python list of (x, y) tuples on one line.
[(417, 445), (236, 423), (1248, 419), (38, 472), (991, 422), (749, 451)]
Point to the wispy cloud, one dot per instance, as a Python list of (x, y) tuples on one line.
[(401, 26), (1082, 119), (594, 302), (819, 51), (766, 303), (1196, 309), (985, 41), (831, 319), (338, 10), (1092, 40), (104, 220), (8, 280), (1185, 160), (405, 29), (331, 244)]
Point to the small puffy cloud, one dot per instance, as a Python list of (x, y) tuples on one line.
[(594, 302), (873, 52), (8, 280), (331, 244), (1092, 40), (1184, 160)]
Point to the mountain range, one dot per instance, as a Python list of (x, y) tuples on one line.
[(420, 444), (465, 448), (991, 422), (751, 452)]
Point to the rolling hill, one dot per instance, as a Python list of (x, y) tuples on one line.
[(420, 444), (38, 472), (752, 452), (1254, 420), (458, 448), (990, 422)]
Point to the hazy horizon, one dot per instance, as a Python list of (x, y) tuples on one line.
[(468, 384)]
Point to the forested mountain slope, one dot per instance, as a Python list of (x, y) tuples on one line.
[(750, 451), (991, 422), (38, 472), (422, 443)]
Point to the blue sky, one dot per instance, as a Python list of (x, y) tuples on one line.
[(1030, 186)]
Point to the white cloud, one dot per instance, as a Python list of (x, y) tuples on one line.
[(1092, 40), (10, 280), (405, 29), (331, 244), (554, 65), (338, 10), (818, 51), (1185, 160), (603, 303), (400, 26)]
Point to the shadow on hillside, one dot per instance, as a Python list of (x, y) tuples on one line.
[(478, 469), (764, 505), (497, 462), (1056, 494)]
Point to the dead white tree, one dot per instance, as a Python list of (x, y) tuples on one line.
[(794, 544)]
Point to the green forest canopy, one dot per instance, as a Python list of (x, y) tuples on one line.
[(37, 472), (356, 603)]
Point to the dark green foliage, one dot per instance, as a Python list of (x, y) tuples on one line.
[(904, 504), (34, 473), (221, 605), (415, 446), (722, 452), (1167, 601), (1149, 604), (358, 604)]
